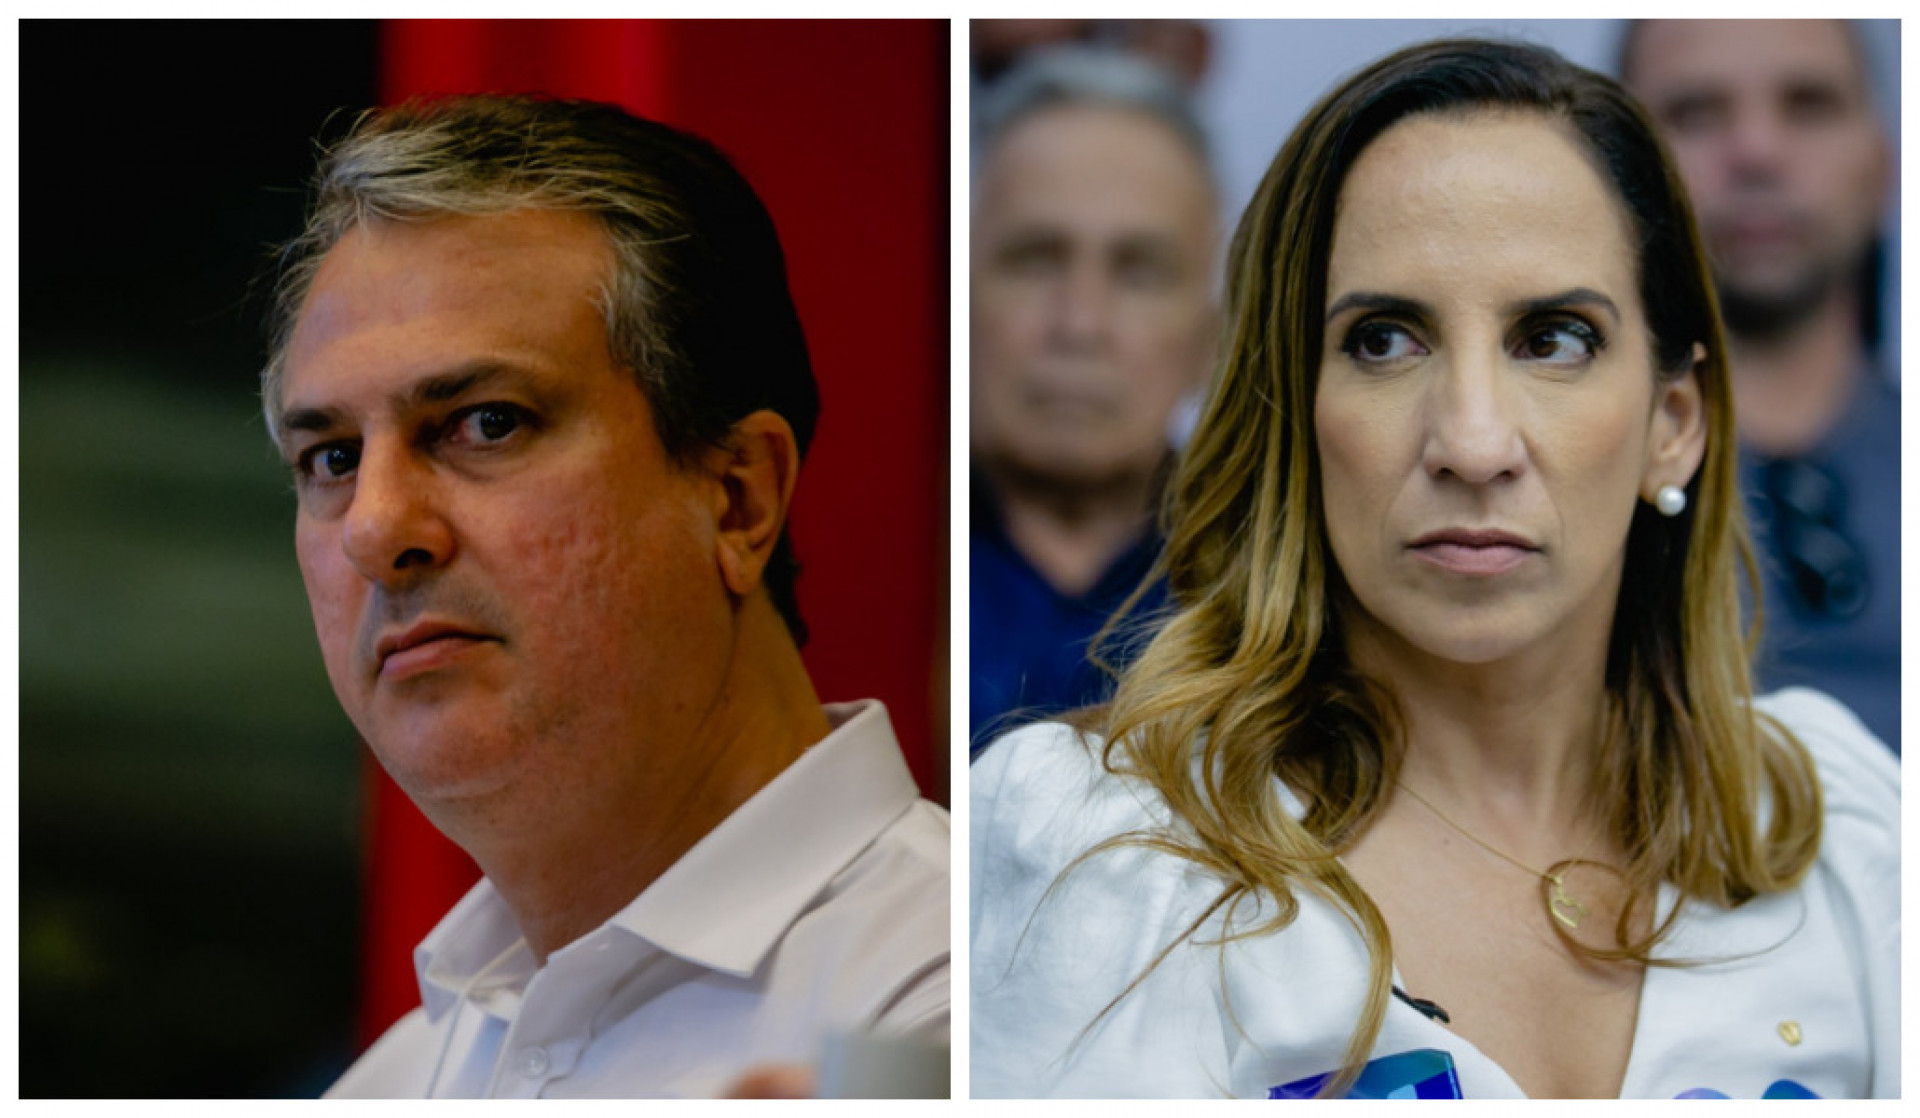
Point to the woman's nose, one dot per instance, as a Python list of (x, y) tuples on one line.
[(1473, 429)]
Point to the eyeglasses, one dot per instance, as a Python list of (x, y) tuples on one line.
[(1825, 567)]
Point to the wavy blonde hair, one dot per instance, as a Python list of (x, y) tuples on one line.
[(1248, 675)]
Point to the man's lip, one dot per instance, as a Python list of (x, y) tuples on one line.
[(420, 633), (1757, 227)]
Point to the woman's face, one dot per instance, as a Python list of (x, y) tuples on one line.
[(1487, 410)]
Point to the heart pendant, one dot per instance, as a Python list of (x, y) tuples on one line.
[(1564, 908)]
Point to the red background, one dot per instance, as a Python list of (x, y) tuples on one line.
[(841, 128)]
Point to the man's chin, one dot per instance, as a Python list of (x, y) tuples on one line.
[(1074, 469), (440, 761), (1764, 303), (1763, 294)]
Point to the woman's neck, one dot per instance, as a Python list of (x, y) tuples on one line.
[(1509, 745)]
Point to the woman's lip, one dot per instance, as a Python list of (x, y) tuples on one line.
[(1482, 560), (429, 655), (1475, 537)]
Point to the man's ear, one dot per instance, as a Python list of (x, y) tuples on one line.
[(1679, 431), (756, 469)]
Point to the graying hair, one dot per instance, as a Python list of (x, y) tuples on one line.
[(419, 169), (696, 301), (1076, 75)]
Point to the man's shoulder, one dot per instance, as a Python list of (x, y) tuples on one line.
[(397, 1065), (877, 941)]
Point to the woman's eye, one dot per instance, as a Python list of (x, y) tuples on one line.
[(1381, 342), (1561, 343)]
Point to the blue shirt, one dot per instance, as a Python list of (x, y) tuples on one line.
[(1030, 641), (1853, 495)]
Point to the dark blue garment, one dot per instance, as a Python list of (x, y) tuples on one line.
[(1029, 641), (1818, 521)]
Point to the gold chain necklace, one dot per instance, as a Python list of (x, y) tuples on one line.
[(1560, 904)]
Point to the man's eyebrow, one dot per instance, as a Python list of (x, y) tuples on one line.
[(309, 419), (435, 389), (1029, 238), (1149, 245)]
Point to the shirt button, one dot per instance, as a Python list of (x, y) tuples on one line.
[(534, 1062)]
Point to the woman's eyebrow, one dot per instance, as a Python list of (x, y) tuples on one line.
[(1572, 297), (1374, 301), (1400, 304)]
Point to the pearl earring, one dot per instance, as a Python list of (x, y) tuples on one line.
[(1671, 500)]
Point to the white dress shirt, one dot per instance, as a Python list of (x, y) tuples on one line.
[(821, 905), (1804, 988)]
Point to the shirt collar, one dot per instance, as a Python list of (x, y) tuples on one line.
[(728, 900), (731, 897), (467, 953)]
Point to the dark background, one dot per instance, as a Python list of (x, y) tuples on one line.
[(194, 807), (188, 840)]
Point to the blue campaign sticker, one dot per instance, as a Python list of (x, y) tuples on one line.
[(1424, 1073), (1778, 1089)]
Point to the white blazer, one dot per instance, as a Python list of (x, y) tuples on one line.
[(1272, 1011)]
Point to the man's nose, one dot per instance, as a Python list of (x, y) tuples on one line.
[(393, 530), (1756, 143), (1473, 429), (1082, 308)]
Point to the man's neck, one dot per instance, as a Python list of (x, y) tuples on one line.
[(1793, 388), (565, 876), (1072, 533)]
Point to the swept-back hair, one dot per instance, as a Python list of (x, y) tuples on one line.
[(1081, 75), (1250, 678), (696, 305)]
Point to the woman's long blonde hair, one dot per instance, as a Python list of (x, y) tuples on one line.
[(1249, 669)]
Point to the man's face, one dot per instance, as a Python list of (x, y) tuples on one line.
[(1091, 306), (516, 592), (1779, 147)]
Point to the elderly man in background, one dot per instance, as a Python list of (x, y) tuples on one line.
[(1092, 320), (544, 396), (1775, 131)]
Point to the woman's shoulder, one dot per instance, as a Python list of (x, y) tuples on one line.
[(1860, 793), (1851, 897), (1859, 775), (1064, 921), (1045, 790)]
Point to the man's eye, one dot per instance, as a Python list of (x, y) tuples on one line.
[(329, 462), (1815, 105), (1146, 275), (1692, 115), (1030, 261), (489, 423), (1376, 342)]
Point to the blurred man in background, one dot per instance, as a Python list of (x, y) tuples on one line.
[(544, 395), (1092, 319), (1182, 47), (1787, 163)]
